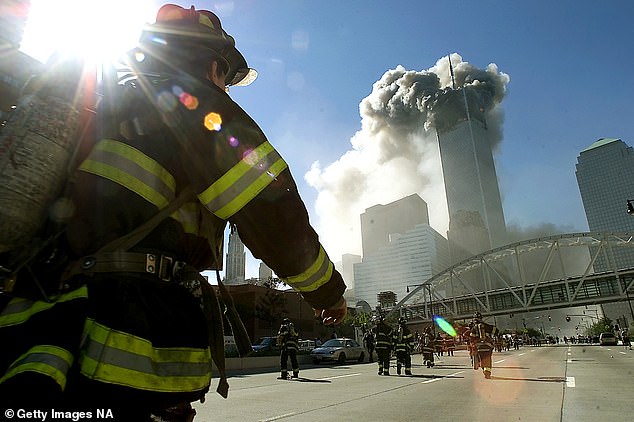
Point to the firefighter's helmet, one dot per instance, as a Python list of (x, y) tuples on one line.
[(477, 316), (192, 34), (402, 321)]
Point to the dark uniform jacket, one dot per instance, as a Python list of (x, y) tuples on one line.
[(130, 331), (383, 336), (403, 340), (174, 132), (288, 337)]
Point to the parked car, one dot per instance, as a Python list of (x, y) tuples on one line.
[(266, 344), (338, 350), (607, 339), (306, 345)]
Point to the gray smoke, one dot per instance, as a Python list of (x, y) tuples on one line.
[(395, 153)]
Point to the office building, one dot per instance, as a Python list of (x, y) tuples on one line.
[(400, 257), (380, 221), (476, 218), (605, 175), (236, 259), (346, 268)]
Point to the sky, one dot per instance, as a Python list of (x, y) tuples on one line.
[(341, 84)]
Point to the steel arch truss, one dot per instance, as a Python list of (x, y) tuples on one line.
[(543, 273)]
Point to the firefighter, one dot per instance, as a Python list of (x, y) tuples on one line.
[(383, 336), (287, 340), (482, 337), (128, 330), (427, 347), (368, 343), (403, 341)]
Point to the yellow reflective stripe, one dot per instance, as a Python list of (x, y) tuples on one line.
[(52, 361), (244, 181), (132, 169), (119, 358), (315, 276), (19, 310)]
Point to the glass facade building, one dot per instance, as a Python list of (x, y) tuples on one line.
[(476, 218), (405, 249), (605, 175)]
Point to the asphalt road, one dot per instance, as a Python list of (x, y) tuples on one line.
[(548, 383)]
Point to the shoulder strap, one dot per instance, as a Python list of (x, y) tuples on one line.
[(128, 241)]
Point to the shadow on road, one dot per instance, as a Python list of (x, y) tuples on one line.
[(432, 376), (540, 379)]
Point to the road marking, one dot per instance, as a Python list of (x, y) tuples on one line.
[(500, 361), (438, 379), (274, 418), (570, 381), (340, 376), (521, 354), (623, 353)]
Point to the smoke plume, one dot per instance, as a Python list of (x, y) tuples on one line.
[(395, 153)]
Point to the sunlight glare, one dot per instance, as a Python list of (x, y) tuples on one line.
[(96, 30)]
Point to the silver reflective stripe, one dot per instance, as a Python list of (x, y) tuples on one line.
[(140, 363)]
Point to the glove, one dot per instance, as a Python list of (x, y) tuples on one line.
[(333, 315)]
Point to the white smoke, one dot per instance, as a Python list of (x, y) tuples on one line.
[(396, 151)]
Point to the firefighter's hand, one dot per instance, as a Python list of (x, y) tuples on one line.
[(333, 315)]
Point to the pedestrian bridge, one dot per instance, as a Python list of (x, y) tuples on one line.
[(534, 275)]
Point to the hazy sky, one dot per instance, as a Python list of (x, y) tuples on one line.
[(565, 80)]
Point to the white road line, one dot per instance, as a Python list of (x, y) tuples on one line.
[(274, 418), (570, 381), (623, 353), (521, 354), (438, 379), (500, 361), (340, 376)]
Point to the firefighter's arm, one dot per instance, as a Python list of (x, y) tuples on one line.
[(243, 179)]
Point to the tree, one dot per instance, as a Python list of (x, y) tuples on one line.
[(271, 308), (601, 326)]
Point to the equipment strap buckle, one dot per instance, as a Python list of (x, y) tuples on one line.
[(165, 268), (162, 266)]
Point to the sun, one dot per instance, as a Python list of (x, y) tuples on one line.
[(95, 29)]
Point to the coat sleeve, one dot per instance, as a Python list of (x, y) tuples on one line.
[(243, 179)]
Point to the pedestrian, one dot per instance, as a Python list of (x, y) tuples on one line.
[(403, 341), (450, 344), (625, 338), (368, 343), (287, 340), (383, 336), (129, 329)]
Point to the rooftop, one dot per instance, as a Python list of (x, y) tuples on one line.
[(600, 142)]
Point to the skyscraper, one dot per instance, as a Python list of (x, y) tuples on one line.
[(380, 221), (605, 175), (476, 218), (404, 249), (235, 259)]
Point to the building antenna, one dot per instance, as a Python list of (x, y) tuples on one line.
[(453, 81)]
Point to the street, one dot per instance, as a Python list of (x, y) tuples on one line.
[(548, 383)]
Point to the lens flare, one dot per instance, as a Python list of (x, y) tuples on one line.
[(213, 122), (444, 325)]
